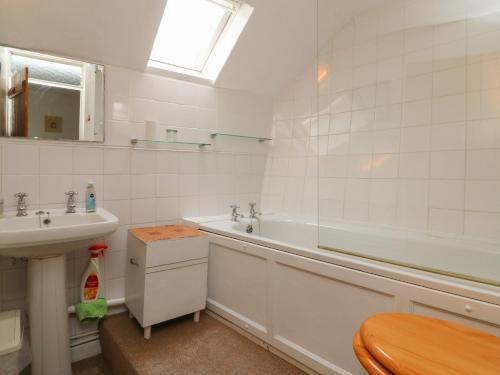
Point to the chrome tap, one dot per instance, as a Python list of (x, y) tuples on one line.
[(21, 204), (71, 203), (235, 215), (253, 213)]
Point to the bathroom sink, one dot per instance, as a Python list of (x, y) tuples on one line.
[(29, 236), (44, 239)]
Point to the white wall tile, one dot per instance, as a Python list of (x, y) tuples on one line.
[(54, 187), (386, 141), (361, 143), (20, 159), (87, 160), (115, 263), (448, 164), (483, 134), (489, 103), (116, 187), (385, 165), (417, 113), (119, 208), (482, 225), (448, 136), (450, 81), (167, 185), (143, 210), (415, 138), (189, 206), (413, 193), (482, 196), (414, 165), (450, 108), (384, 192), (116, 161), (418, 87), (446, 221), (483, 164), (56, 160), (167, 208), (449, 194), (12, 184), (143, 162), (143, 186), (360, 166)]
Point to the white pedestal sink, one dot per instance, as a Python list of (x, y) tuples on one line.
[(45, 246)]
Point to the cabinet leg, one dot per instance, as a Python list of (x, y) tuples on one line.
[(196, 317), (147, 332), (130, 315)]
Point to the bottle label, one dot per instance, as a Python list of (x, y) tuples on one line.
[(91, 287)]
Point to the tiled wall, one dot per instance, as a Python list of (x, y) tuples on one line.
[(409, 122), (141, 186)]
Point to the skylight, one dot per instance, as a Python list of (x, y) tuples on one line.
[(195, 37)]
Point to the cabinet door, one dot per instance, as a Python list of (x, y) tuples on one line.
[(175, 292)]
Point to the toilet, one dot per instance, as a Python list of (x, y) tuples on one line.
[(412, 344)]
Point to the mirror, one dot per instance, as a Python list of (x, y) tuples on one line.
[(49, 97)]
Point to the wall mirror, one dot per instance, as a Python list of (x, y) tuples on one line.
[(48, 97)]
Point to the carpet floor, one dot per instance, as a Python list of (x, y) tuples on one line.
[(182, 347), (91, 366)]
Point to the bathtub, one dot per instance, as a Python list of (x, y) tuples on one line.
[(307, 302)]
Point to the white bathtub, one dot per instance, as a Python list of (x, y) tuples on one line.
[(308, 302), (461, 258)]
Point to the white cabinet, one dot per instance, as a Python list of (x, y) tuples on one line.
[(166, 274)]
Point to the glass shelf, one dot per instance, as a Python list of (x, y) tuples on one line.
[(260, 139), (136, 141)]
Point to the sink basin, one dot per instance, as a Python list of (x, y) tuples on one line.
[(28, 236), (45, 243)]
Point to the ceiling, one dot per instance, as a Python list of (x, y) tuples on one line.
[(278, 42)]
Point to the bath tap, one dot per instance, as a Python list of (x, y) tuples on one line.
[(235, 215), (253, 213), (21, 204), (71, 204)]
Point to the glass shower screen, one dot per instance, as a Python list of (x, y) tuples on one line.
[(406, 130)]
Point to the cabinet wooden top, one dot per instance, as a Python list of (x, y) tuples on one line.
[(413, 344), (165, 232)]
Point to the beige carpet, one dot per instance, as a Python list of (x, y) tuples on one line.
[(181, 347), (91, 366)]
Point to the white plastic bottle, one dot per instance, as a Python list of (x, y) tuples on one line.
[(91, 281), (90, 197)]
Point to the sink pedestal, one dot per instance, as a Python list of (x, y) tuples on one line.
[(48, 316)]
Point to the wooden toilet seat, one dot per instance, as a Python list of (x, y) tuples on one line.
[(366, 359), (403, 344)]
